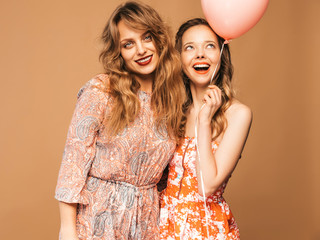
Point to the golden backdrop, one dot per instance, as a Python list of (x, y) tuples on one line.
[(49, 49)]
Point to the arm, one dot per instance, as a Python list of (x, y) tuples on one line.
[(78, 155), (217, 167), (68, 221)]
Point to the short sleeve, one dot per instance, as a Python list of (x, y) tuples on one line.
[(80, 146)]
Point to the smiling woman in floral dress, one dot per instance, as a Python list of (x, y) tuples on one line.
[(123, 132), (223, 127)]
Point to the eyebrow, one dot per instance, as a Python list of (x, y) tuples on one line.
[(126, 40), (130, 39), (208, 41)]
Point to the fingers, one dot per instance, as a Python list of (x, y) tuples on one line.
[(212, 99), (208, 100), (214, 94), (216, 90)]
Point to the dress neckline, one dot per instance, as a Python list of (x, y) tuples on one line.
[(192, 138), (144, 96), (144, 92), (187, 137)]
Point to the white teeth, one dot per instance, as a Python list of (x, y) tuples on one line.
[(144, 60), (201, 65)]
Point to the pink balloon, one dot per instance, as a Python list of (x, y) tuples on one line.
[(232, 18)]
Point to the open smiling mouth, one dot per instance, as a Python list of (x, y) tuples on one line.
[(201, 68), (144, 61)]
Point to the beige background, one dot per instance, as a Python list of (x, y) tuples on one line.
[(49, 49)]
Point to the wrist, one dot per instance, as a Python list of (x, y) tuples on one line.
[(204, 130), (205, 123)]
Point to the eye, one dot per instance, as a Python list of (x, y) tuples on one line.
[(188, 47), (211, 45), (148, 38), (128, 44)]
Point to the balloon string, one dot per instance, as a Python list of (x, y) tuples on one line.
[(197, 148), (225, 42), (201, 175)]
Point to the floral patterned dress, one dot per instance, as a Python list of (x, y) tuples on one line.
[(113, 178), (182, 214)]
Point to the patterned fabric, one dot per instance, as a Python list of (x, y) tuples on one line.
[(182, 214), (113, 178)]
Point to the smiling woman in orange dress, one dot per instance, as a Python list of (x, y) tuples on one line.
[(223, 127), (123, 132)]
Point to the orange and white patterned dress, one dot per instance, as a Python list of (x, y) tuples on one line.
[(182, 214), (113, 178)]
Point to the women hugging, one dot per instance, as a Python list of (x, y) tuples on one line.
[(139, 117)]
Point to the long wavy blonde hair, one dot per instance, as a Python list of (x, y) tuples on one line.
[(222, 80), (167, 91)]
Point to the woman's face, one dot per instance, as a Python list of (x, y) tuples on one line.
[(138, 51), (199, 54)]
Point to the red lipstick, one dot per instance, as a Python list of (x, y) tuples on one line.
[(201, 67), (144, 61)]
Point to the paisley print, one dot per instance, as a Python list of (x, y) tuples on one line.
[(182, 214), (99, 223), (161, 132), (86, 126), (92, 184), (137, 162), (113, 178)]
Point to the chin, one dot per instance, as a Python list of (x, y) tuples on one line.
[(148, 71), (200, 79)]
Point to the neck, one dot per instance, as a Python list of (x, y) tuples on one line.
[(146, 82), (197, 96)]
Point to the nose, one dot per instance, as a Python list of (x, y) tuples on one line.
[(141, 50), (200, 53)]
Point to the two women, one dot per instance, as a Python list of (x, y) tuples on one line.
[(123, 132), (125, 128)]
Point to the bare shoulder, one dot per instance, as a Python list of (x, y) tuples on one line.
[(239, 112)]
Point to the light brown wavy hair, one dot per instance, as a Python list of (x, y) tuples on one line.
[(167, 91), (222, 79)]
